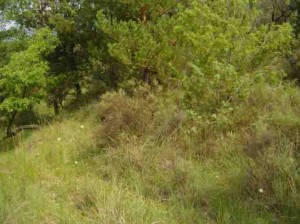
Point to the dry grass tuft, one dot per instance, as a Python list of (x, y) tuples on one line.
[(141, 116)]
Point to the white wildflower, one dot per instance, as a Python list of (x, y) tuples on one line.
[(59, 139), (260, 190)]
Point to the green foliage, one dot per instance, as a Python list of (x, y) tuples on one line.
[(153, 40), (200, 35), (225, 52), (228, 36), (143, 49), (204, 129), (23, 79)]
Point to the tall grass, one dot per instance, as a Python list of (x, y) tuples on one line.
[(144, 159)]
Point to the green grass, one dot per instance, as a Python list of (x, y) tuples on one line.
[(137, 160)]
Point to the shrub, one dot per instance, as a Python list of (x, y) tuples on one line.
[(144, 115)]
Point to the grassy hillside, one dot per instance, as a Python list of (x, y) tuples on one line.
[(143, 158)]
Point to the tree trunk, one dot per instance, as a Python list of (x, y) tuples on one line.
[(9, 132), (78, 89), (56, 107)]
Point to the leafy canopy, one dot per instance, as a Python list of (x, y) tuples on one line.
[(23, 79)]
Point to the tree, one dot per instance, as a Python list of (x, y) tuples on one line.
[(23, 79), (225, 51), (143, 45), (208, 42), (73, 23)]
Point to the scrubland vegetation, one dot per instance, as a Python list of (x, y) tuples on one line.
[(149, 112)]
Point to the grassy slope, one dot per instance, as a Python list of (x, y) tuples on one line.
[(135, 167)]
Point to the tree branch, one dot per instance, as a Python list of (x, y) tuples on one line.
[(19, 129)]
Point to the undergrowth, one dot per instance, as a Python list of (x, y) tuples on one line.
[(145, 158)]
